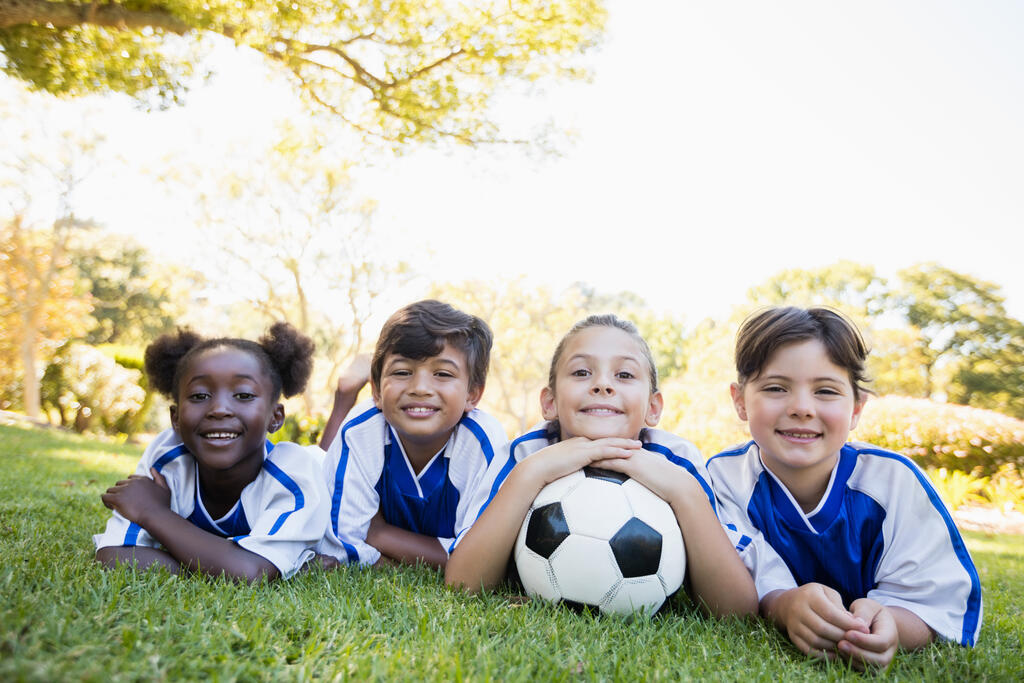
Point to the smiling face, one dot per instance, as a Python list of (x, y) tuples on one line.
[(801, 408), (225, 407), (602, 387), (423, 400)]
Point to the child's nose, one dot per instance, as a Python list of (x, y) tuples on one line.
[(601, 385), (420, 382), (801, 403), (220, 405)]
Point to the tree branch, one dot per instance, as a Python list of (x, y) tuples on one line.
[(66, 14)]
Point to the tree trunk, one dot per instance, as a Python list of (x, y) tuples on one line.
[(30, 391)]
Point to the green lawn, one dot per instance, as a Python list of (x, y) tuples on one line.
[(62, 617)]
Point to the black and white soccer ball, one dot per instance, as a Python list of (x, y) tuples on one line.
[(599, 538)]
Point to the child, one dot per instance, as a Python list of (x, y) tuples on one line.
[(404, 471), (874, 560), (211, 494), (601, 403)]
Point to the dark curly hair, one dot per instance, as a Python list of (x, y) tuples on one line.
[(284, 354)]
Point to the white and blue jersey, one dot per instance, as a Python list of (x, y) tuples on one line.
[(675, 448), (280, 516), (367, 470), (880, 531)]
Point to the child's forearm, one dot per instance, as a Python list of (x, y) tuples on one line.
[(914, 633), (343, 403), (406, 547), (717, 575), (202, 551), (141, 557), (481, 558)]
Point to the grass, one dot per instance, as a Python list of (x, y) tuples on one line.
[(62, 617)]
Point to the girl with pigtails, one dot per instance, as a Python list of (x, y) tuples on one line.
[(212, 494)]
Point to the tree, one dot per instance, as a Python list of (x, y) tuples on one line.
[(295, 243), (134, 299), (40, 297), (852, 288), (399, 70), (42, 301), (960, 322)]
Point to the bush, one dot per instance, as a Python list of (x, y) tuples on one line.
[(938, 435), (305, 431), (91, 392)]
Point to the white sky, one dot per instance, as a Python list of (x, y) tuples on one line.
[(720, 143)]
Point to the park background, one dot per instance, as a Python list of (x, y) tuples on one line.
[(681, 164)]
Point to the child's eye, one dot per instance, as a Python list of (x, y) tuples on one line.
[(773, 388), (198, 396), (244, 396), (828, 391), (401, 373), (625, 374), (581, 372), (444, 373)]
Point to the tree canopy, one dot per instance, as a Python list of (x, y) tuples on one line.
[(399, 70)]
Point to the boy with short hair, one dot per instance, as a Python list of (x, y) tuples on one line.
[(404, 471), (873, 561)]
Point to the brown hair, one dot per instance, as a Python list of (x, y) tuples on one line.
[(604, 320), (420, 330), (766, 331)]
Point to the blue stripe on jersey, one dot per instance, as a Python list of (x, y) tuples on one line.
[(744, 539), (339, 479), (131, 536), (507, 467), (973, 612), (481, 436), (289, 483), (688, 466)]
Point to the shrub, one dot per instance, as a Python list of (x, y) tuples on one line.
[(91, 392), (301, 430), (940, 435)]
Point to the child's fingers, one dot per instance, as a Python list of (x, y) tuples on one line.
[(863, 657), (159, 479)]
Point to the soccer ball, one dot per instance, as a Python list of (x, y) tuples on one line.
[(599, 538)]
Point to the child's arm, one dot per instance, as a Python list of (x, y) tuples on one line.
[(481, 558), (404, 546), (717, 576), (352, 380), (147, 501), (142, 557)]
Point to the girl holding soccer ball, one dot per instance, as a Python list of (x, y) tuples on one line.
[(601, 406)]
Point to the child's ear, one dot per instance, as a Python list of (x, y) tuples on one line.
[(375, 391), (654, 408), (858, 406), (737, 400), (547, 404), (174, 417), (473, 397), (276, 419)]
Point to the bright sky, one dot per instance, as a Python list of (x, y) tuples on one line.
[(720, 143)]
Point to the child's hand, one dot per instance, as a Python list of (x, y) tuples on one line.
[(815, 619), (355, 376), (665, 479), (566, 457), (137, 497), (877, 647)]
